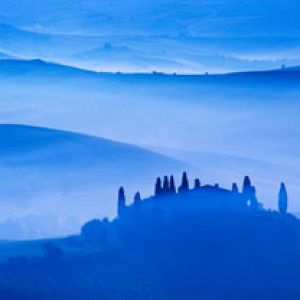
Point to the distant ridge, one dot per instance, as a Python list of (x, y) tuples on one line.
[(33, 66), (38, 67)]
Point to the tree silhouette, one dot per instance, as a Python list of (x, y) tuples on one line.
[(121, 201), (166, 185), (158, 187), (235, 188), (172, 185), (197, 183), (247, 186), (137, 198), (184, 183), (282, 199)]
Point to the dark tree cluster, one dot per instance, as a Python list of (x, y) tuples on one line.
[(166, 188)]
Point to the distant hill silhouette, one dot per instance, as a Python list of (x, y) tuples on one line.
[(38, 67), (194, 242)]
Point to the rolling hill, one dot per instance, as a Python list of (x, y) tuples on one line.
[(156, 17), (173, 36), (231, 114), (247, 120), (51, 176), (41, 69)]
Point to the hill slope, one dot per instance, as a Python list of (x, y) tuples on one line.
[(61, 174)]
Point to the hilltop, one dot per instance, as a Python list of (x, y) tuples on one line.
[(38, 67), (196, 242)]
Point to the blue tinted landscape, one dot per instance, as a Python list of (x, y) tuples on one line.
[(149, 149)]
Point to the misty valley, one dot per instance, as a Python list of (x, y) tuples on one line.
[(149, 149)]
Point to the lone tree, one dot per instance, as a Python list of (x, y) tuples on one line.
[(282, 199), (184, 183), (247, 186), (172, 185), (137, 198), (158, 187), (197, 184), (166, 185), (121, 201), (235, 188)]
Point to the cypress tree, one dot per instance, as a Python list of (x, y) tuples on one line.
[(247, 185), (121, 201), (184, 183), (166, 185), (235, 188), (282, 199), (158, 188), (137, 198), (172, 185), (197, 184)]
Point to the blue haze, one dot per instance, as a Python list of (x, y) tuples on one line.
[(218, 127), (221, 127), (173, 36)]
